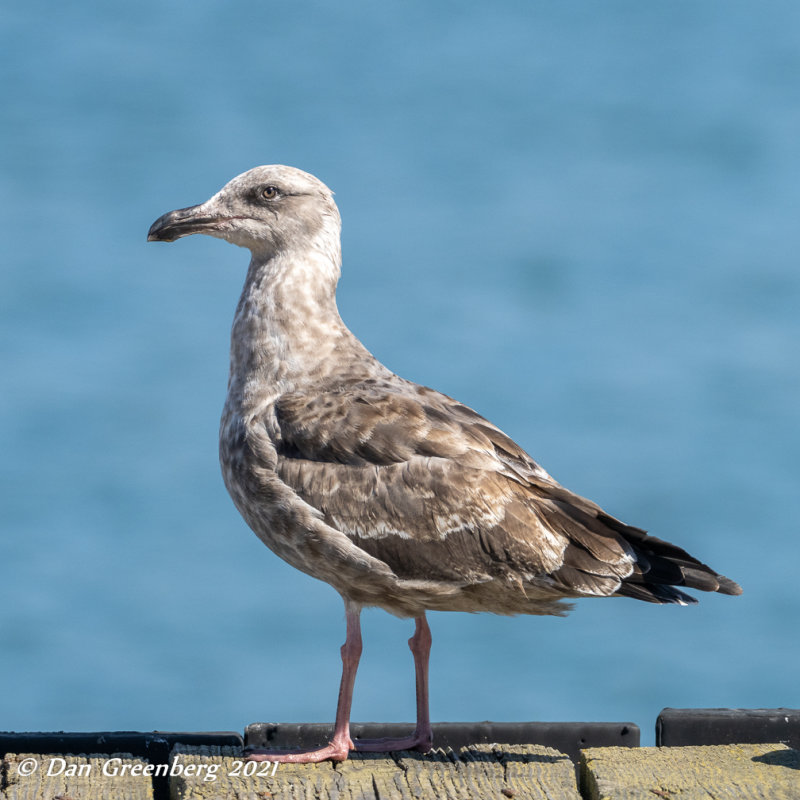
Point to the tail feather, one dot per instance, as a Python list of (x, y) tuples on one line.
[(655, 593), (658, 567), (667, 564)]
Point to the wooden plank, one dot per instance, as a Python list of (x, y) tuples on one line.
[(31, 776), (740, 771), (209, 772), (521, 772)]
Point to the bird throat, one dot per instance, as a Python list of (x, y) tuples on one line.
[(287, 331)]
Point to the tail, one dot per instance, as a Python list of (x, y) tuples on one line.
[(602, 550), (661, 567)]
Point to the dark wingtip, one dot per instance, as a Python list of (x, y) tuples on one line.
[(727, 586), (656, 593)]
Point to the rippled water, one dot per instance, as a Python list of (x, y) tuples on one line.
[(580, 219)]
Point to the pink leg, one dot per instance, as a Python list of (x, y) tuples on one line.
[(341, 744), (422, 737)]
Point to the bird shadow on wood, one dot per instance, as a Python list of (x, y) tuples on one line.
[(780, 758)]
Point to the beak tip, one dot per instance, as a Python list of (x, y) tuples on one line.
[(177, 224), (161, 231), (152, 234)]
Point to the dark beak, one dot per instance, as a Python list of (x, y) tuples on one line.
[(182, 222)]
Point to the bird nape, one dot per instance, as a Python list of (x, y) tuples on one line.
[(395, 494)]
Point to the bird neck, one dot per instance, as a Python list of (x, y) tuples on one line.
[(287, 328)]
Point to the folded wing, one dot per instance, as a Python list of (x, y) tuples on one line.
[(435, 491)]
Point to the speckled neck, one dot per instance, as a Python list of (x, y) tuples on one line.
[(287, 332)]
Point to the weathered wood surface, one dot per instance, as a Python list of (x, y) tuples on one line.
[(732, 772), (75, 777), (521, 772), (723, 772)]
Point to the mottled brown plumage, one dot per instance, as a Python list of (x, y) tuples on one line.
[(395, 494)]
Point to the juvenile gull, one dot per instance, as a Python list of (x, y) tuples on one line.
[(396, 495)]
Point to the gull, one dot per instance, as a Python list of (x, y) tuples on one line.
[(396, 495)]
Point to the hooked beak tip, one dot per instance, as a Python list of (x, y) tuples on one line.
[(182, 222)]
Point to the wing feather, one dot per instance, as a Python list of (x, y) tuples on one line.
[(436, 492)]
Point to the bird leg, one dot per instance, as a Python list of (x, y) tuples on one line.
[(341, 743), (422, 737)]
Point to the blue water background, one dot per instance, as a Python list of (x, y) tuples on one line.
[(582, 219)]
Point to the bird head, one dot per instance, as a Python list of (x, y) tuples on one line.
[(267, 209)]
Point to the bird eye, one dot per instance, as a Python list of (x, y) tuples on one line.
[(270, 192)]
